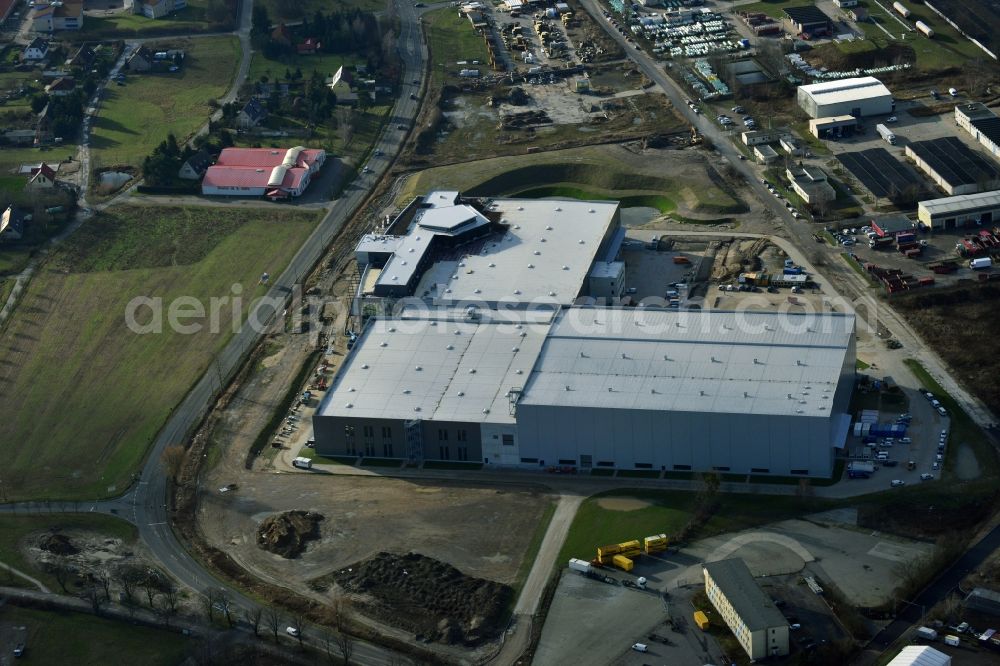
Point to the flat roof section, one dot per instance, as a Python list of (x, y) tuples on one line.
[(693, 361), (988, 127), (953, 161), (846, 90), (435, 370), (755, 608), (961, 203), (807, 14), (881, 173)]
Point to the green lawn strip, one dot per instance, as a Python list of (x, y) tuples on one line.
[(627, 199), (530, 553), (64, 637), (136, 117), (857, 268), (14, 528), (274, 69), (191, 19), (447, 464), (963, 429), (81, 369), (450, 39), (861, 365)]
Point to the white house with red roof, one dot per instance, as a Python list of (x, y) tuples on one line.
[(44, 177), (276, 173)]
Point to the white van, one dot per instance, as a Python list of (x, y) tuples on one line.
[(302, 463)]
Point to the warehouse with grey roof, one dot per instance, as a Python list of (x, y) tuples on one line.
[(520, 368)]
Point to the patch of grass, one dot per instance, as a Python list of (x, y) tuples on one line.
[(691, 220), (136, 117), (14, 529), (191, 19), (326, 64), (963, 429), (450, 464), (92, 394), (62, 637), (861, 365), (857, 268), (451, 38), (592, 172)]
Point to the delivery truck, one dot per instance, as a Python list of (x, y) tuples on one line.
[(927, 633), (302, 463), (980, 262)]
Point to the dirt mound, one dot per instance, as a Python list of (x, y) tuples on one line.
[(58, 544), (433, 599), (287, 533)]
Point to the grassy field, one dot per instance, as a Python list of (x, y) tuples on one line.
[(59, 637), (274, 68), (138, 116), (80, 394), (192, 18), (592, 172), (14, 528), (450, 38), (667, 512)]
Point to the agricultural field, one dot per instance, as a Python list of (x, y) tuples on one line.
[(61, 637), (676, 182), (138, 116), (91, 394), (198, 16)]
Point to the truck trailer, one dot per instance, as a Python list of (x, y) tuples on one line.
[(886, 134), (980, 263), (581, 566)]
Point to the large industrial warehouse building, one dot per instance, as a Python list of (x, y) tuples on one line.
[(953, 166), (508, 367), (863, 96), (964, 210)]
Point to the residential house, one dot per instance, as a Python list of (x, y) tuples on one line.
[(11, 225), (308, 47), (252, 113), (195, 166), (42, 178), (83, 57), (282, 35), (155, 9), (58, 15), (340, 84), (62, 86), (140, 61), (810, 183), (38, 49)]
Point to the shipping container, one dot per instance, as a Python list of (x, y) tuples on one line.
[(701, 620), (924, 28), (656, 543), (622, 562), (903, 11), (605, 553)]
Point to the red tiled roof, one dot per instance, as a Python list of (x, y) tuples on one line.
[(234, 176), (45, 170), (265, 157)]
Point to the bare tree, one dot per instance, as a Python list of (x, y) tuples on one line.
[(272, 617), (346, 121), (170, 600), (104, 578), (253, 617), (151, 586), (172, 459), (297, 622), (126, 579), (225, 604), (345, 642), (61, 573), (94, 595), (208, 604)]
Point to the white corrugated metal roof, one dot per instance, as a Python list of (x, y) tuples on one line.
[(960, 203), (920, 655), (435, 370), (706, 361), (845, 90)]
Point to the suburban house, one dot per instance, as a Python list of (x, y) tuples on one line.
[(195, 166), (340, 84), (11, 225), (42, 178), (155, 9), (140, 61), (251, 114), (38, 49), (61, 87), (282, 35), (810, 184), (58, 15), (308, 47), (83, 58)]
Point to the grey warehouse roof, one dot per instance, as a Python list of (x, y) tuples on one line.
[(846, 90), (435, 369), (753, 606), (696, 361), (961, 203)]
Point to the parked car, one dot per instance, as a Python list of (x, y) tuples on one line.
[(891, 119), (292, 631), (897, 483), (926, 477), (640, 647)]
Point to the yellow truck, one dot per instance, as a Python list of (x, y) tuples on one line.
[(701, 620)]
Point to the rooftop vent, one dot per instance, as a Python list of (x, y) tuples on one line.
[(519, 372), (520, 207), (364, 366), (745, 394), (349, 405), (450, 347), (461, 393), (515, 349), (477, 291), (492, 265), (580, 241), (406, 391), (531, 265), (701, 393), (567, 387), (548, 227), (416, 409), (486, 410), (350, 390), (383, 344), (624, 355), (565, 268), (536, 252), (517, 292), (392, 329), (472, 371), (541, 240), (419, 368), (591, 211)]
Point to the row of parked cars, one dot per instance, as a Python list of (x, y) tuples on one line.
[(774, 190)]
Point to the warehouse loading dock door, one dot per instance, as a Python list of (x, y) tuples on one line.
[(586, 462)]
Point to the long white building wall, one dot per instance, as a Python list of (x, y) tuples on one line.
[(702, 441)]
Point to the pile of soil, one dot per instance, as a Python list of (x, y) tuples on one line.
[(58, 544), (433, 599), (288, 533)]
